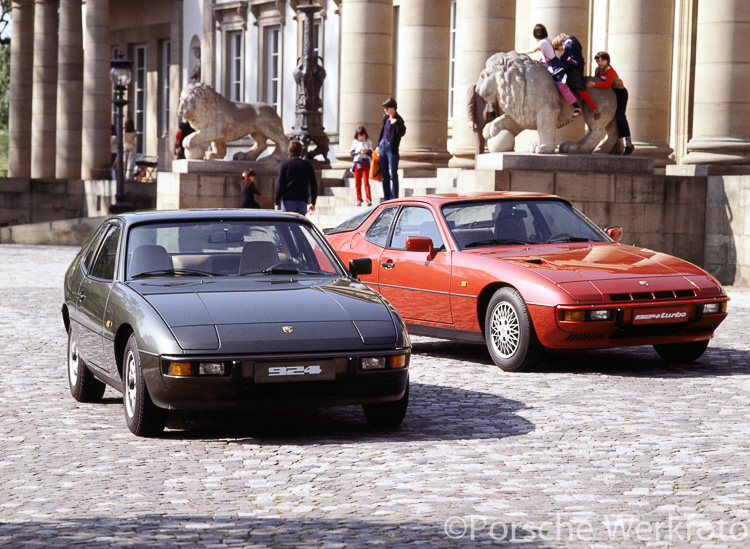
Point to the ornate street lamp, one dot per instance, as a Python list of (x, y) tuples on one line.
[(120, 74), (309, 75)]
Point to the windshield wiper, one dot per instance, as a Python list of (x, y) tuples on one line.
[(561, 239), (182, 272), (498, 241)]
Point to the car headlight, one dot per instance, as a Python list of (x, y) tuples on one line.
[(189, 369), (393, 362), (586, 315), (714, 308)]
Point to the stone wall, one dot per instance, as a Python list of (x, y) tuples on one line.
[(665, 213), (727, 233)]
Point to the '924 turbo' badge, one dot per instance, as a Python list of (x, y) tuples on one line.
[(659, 316)]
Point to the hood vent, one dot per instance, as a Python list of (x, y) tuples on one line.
[(652, 296)]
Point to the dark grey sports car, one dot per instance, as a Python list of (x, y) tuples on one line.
[(222, 309)]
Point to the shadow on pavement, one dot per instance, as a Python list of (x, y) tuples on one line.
[(435, 413), (623, 361), (231, 531)]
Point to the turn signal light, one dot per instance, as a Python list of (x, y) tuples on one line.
[(180, 369), (583, 316), (398, 361), (574, 316)]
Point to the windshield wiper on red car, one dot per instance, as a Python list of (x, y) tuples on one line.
[(561, 239), (181, 272), (496, 241)]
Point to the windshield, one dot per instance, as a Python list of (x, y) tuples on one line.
[(227, 248), (518, 222), (351, 223)]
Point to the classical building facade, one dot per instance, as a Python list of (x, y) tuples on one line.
[(686, 65)]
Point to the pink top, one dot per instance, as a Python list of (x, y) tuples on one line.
[(548, 52)]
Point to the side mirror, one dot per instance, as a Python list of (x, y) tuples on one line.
[(360, 266), (615, 233), (420, 244)]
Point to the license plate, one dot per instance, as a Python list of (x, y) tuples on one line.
[(284, 372), (660, 315)]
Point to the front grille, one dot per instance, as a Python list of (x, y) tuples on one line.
[(652, 296)]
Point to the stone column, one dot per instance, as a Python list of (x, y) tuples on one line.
[(69, 91), (175, 74), (44, 94), (207, 44), (366, 69), (484, 27), (638, 29), (97, 95), (422, 95), (21, 61), (721, 108)]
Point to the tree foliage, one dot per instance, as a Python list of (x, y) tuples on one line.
[(4, 22)]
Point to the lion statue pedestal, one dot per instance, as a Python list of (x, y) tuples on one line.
[(217, 120), (530, 100)]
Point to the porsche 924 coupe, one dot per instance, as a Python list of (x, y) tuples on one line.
[(525, 271), (224, 309)]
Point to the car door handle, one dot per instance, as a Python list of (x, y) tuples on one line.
[(388, 264), (81, 296)]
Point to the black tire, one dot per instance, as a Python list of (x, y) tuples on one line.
[(83, 385), (143, 417), (387, 415), (509, 332), (682, 352)]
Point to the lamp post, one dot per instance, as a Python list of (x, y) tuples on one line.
[(120, 75)]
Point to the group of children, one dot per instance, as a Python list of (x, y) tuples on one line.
[(567, 73)]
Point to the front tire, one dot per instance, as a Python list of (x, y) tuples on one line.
[(387, 415), (508, 330), (143, 417), (83, 385), (682, 352)]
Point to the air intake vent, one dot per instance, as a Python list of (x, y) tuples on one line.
[(652, 296), (586, 337)]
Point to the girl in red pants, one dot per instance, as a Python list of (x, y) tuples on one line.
[(361, 151)]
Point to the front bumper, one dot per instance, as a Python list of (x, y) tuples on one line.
[(240, 388), (649, 323)]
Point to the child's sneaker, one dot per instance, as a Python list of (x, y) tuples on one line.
[(369, 203), (359, 203)]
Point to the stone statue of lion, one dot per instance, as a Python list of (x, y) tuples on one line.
[(530, 100), (217, 120)]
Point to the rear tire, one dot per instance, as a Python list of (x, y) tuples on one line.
[(682, 352), (388, 415), (509, 332), (83, 385), (143, 417)]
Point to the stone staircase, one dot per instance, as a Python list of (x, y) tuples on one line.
[(337, 196)]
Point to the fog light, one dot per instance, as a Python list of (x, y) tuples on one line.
[(211, 368), (711, 308), (398, 361), (599, 315), (179, 369), (373, 362)]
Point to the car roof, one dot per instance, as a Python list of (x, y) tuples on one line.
[(208, 214), (444, 198)]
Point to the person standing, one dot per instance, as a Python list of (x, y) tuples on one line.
[(609, 79), (249, 190), (128, 144), (361, 151), (391, 132), (296, 185), (480, 112)]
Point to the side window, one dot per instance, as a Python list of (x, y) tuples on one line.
[(104, 264), (415, 221), (378, 231), (88, 259)]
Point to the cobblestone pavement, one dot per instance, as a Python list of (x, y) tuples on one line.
[(596, 449)]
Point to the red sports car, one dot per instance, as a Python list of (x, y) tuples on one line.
[(522, 271)]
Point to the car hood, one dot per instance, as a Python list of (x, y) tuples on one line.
[(589, 271), (270, 315)]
